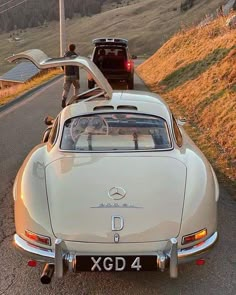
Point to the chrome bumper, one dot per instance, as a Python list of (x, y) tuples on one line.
[(66, 261)]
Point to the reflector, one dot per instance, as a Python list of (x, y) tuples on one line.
[(200, 262), (32, 263)]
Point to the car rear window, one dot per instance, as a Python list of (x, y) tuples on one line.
[(110, 51), (115, 132)]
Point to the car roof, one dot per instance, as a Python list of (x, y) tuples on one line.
[(121, 101), (110, 41)]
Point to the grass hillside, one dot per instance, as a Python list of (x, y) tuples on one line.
[(195, 72), (147, 24)]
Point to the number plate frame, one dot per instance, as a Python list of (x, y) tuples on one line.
[(116, 263)]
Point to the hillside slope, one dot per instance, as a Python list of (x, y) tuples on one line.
[(195, 72), (147, 24), (28, 14)]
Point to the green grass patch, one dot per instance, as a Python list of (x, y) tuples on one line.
[(206, 102), (233, 88), (194, 69)]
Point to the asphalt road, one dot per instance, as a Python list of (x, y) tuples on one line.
[(21, 127)]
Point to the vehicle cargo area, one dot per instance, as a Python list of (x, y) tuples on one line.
[(111, 59)]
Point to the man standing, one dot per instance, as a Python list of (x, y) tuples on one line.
[(71, 76)]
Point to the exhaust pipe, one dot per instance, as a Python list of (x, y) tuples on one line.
[(47, 274)]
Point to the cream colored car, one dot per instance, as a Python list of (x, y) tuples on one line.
[(116, 185)]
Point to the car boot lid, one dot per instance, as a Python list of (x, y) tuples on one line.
[(141, 198)]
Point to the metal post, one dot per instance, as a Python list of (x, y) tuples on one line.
[(62, 27)]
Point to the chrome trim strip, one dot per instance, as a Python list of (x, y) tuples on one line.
[(115, 152), (33, 252)]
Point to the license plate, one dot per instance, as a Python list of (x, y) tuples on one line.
[(116, 263)]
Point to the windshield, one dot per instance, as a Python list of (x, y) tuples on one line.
[(115, 132)]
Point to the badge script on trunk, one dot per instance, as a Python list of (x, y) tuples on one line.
[(116, 194)]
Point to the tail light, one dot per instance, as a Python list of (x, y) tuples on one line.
[(194, 237), (38, 238), (129, 65)]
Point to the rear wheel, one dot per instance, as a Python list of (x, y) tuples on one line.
[(130, 83), (91, 84)]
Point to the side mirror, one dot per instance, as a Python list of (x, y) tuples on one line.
[(46, 135), (181, 121), (48, 120)]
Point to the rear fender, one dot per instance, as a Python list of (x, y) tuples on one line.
[(31, 204), (201, 195)]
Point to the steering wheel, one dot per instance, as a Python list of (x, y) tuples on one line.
[(75, 129), (96, 123)]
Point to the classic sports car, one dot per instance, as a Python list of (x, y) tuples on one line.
[(116, 185)]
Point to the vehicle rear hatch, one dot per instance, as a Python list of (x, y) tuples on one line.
[(82, 197), (112, 61)]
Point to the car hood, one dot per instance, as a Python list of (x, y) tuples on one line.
[(93, 198)]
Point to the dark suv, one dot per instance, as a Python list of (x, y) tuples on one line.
[(112, 57)]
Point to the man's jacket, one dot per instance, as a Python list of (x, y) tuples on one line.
[(71, 70)]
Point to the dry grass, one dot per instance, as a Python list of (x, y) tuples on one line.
[(147, 24), (195, 72), (7, 94)]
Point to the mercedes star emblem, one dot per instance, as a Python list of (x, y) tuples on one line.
[(116, 193)]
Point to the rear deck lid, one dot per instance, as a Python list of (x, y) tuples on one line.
[(93, 197)]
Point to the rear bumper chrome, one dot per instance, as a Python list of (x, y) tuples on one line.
[(33, 252), (115, 77), (63, 260)]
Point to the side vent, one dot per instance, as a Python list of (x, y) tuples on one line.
[(127, 107), (103, 108)]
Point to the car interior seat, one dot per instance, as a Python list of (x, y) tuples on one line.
[(99, 59), (102, 52), (120, 53)]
